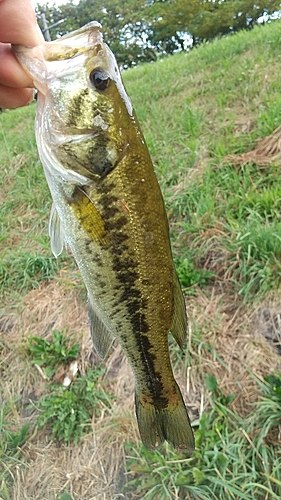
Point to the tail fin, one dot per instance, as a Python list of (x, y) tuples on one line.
[(170, 423)]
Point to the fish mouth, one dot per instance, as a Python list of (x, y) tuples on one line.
[(93, 30), (58, 138)]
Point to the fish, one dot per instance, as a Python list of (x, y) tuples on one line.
[(109, 210)]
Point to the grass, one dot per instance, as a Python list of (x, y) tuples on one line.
[(11, 440), (195, 109), (66, 409), (232, 459), (49, 354), (68, 412), (25, 259), (209, 112)]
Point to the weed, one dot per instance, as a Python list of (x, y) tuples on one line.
[(50, 354), (68, 411), (190, 276)]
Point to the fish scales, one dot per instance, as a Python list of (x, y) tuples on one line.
[(108, 208), (131, 272)]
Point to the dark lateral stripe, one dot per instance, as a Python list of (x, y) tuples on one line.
[(128, 283)]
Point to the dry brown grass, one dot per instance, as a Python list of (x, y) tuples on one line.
[(91, 469), (239, 349), (267, 152), (224, 340)]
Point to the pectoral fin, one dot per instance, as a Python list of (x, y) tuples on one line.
[(56, 232), (179, 321), (102, 335), (88, 215)]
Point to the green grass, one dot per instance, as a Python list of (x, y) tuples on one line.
[(25, 257), (68, 412), (200, 99), (64, 412), (50, 354), (12, 437), (233, 458)]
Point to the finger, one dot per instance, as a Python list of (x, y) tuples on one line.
[(14, 98), (11, 72), (18, 23)]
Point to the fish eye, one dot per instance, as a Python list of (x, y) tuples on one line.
[(99, 78)]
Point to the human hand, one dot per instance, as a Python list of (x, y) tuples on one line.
[(17, 26)]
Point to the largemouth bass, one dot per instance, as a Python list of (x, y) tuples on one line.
[(108, 208)]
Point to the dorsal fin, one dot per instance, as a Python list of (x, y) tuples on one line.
[(102, 335), (179, 321), (56, 232)]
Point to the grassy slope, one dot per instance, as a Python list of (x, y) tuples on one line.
[(199, 107), (25, 254), (194, 108)]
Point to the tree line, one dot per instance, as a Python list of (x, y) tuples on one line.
[(142, 30)]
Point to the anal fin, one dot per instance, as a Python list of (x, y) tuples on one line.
[(102, 335)]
